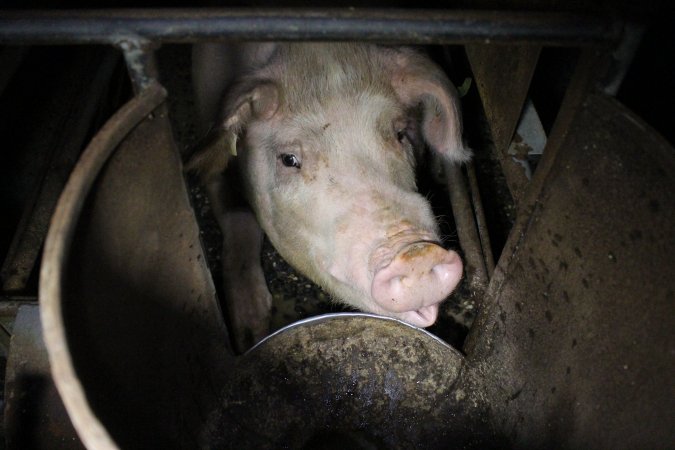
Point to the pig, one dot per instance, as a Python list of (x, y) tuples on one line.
[(322, 141)]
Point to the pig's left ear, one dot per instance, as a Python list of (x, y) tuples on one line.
[(246, 102), (418, 81), (212, 154)]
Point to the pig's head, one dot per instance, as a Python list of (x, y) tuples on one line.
[(327, 137)]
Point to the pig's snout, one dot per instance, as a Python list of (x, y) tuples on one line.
[(416, 281)]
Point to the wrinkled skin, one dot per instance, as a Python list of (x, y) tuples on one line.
[(326, 138)]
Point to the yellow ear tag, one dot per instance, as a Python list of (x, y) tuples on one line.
[(463, 89), (232, 143)]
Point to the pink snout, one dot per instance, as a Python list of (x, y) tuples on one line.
[(416, 281)]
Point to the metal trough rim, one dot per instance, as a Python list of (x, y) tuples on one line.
[(337, 316), (56, 253)]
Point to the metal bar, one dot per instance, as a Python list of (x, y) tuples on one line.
[(481, 223), (469, 239), (141, 62), (503, 74), (393, 26), (56, 253), (590, 67)]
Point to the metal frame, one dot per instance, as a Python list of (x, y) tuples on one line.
[(138, 33), (392, 26)]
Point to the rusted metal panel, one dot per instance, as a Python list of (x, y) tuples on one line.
[(576, 338), (503, 74), (346, 378), (34, 414), (9, 307), (128, 305)]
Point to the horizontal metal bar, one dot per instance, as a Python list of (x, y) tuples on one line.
[(386, 26)]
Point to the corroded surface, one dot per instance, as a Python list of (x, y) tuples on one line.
[(128, 307), (503, 75), (575, 345), (389, 383)]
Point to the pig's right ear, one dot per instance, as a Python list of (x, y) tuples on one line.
[(419, 82), (245, 103)]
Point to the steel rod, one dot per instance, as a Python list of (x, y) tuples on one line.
[(389, 26), (467, 231), (479, 216), (55, 256)]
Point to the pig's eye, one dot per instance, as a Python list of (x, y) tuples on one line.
[(290, 160), (402, 136)]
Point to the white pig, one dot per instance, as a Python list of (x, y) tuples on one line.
[(326, 136)]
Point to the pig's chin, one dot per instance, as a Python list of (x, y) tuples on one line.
[(423, 317)]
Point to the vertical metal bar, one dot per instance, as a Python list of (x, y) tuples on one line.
[(590, 67), (469, 239), (139, 55), (479, 215)]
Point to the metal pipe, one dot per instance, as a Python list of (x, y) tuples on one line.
[(141, 62), (481, 223), (55, 256), (467, 232), (390, 26)]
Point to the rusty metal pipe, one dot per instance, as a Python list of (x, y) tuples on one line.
[(467, 232), (481, 223), (56, 255), (141, 62), (391, 26)]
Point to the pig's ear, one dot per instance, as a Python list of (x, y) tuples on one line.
[(260, 101), (250, 101), (213, 154), (419, 82)]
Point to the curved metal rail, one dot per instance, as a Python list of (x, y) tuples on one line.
[(56, 253)]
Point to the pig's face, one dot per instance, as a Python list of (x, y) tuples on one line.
[(332, 182)]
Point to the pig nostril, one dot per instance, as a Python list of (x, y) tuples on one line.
[(415, 281)]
